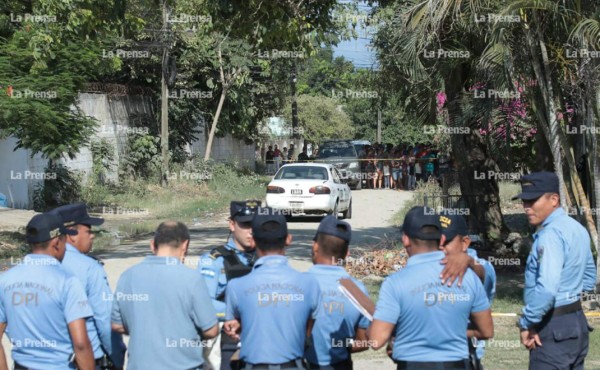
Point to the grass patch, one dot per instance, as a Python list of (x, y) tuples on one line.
[(421, 189), (12, 244), (133, 209)]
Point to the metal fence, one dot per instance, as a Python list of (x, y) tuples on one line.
[(457, 205)]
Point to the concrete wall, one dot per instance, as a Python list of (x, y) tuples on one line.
[(113, 114)]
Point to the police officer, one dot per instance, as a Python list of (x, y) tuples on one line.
[(43, 307), (222, 264), (274, 305), (428, 319), (559, 267), (108, 346), (164, 306), (342, 328), (456, 232)]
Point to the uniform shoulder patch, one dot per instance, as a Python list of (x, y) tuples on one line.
[(215, 253)]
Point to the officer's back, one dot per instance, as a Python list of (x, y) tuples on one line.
[(164, 306), (274, 304), (428, 319), (42, 306), (333, 334)]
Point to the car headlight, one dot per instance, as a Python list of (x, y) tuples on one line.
[(353, 165)]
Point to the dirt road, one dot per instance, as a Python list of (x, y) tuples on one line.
[(372, 210)]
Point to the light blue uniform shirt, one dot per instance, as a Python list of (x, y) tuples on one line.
[(489, 286), (213, 272), (333, 331), (164, 306), (90, 273), (431, 318), (38, 300), (273, 304), (559, 267)]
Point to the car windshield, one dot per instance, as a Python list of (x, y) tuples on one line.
[(337, 151), (302, 173)]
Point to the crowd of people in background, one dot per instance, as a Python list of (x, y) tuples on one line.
[(400, 167), (384, 166)]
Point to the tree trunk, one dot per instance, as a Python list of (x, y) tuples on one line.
[(471, 156), (213, 127)]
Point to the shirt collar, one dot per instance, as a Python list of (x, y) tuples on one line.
[(160, 260), (71, 248), (425, 258), (472, 252), (328, 269), (271, 261), (554, 215)]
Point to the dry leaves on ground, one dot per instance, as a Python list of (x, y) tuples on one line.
[(380, 259)]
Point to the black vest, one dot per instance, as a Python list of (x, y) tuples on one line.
[(234, 268)]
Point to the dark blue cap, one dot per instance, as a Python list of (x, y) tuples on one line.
[(46, 226), (77, 214), (263, 216), (453, 225), (537, 184), (419, 217), (243, 211), (332, 226)]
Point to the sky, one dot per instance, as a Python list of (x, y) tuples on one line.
[(358, 50)]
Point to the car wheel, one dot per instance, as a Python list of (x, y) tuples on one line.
[(347, 214), (335, 209)]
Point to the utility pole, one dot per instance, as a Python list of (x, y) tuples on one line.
[(294, 103), (164, 100), (378, 125)]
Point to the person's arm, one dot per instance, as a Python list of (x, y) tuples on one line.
[(211, 273), (456, 266), (3, 363), (361, 342), (483, 325), (203, 314), (115, 317), (99, 295), (548, 278), (309, 326), (84, 356), (379, 333), (589, 275)]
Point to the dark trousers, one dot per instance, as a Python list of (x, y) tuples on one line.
[(228, 348), (447, 365), (565, 342), (342, 365)]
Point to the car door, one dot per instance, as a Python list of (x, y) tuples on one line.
[(340, 188)]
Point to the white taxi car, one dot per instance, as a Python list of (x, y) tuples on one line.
[(309, 189)]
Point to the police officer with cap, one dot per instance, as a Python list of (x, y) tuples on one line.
[(456, 232), (559, 267), (234, 259), (164, 306), (342, 328), (428, 319), (43, 307), (108, 346), (274, 306)]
